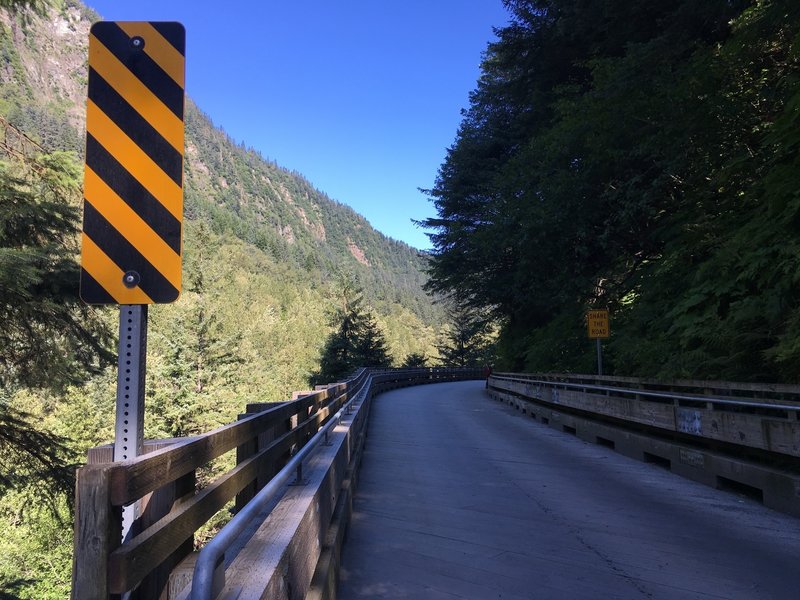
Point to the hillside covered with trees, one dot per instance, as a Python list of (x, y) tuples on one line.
[(637, 156)]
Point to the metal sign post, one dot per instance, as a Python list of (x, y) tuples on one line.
[(129, 430), (599, 357)]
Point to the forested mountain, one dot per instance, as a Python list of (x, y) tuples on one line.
[(264, 257), (640, 156), (236, 190), (245, 216)]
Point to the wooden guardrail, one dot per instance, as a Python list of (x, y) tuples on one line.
[(753, 416), (163, 481), (742, 437)]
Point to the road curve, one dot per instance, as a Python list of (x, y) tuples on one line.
[(462, 497)]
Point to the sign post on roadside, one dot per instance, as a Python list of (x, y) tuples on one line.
[(597, 325), (133, 196)]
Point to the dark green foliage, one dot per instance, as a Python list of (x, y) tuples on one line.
[(638, 157), (200, 357), (415, 360), (10, 588), (356, 341), (36, 464), (48, 340), (53, 131), (466, 342), (261, 251), (49, 337), (372, 350)]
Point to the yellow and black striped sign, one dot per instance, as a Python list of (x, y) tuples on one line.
[(133, 183)]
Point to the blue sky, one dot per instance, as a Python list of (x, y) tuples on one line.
[(362, 97)]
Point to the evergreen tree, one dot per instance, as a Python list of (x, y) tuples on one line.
[(198, 363), (371, 349), (415, 360), (466, 341), (640, 157), (49, 337), (356, 341), (30, 457), (249, 330)]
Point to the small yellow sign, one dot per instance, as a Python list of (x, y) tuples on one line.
[(597, 324)]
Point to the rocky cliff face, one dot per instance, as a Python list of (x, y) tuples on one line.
[(45, 58)]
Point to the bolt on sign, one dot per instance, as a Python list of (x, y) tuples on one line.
[(597, 324), (133, 178)]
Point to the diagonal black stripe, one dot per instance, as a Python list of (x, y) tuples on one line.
[(92, 292), (140, 64), (135, 127), (127, 187), (125, 256), (173, 32)]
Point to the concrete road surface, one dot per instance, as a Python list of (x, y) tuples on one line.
[(463, 497)]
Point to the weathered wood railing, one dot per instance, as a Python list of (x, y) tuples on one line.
[(702, 429), (163, 480), (763, 417)]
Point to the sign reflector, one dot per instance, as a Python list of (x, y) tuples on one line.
[(133, 177), (597, 324)]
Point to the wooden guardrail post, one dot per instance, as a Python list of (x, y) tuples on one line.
[(156, 505), (243, 452), (98, 532)]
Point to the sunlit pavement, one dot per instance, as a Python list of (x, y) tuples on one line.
[(463, 497)]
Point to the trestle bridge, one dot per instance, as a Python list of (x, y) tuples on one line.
[(519, 486)]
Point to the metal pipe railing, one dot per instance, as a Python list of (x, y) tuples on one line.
[(210, 555)]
